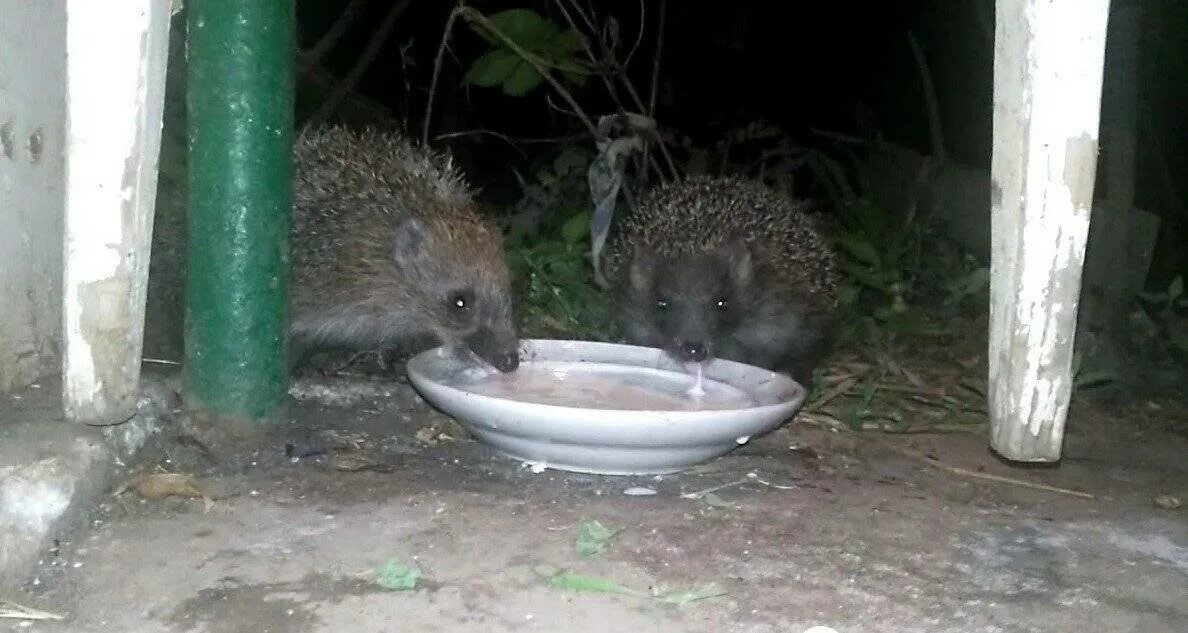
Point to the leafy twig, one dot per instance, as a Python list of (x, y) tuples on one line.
[(537, 64)]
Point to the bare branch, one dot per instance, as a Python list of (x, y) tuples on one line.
[(331, 37), (445, 36), (930, 103), (356, 73)]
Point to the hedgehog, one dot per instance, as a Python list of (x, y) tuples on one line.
[(389, 251), (725, 267)]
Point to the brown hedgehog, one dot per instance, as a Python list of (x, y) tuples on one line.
[(389, 250), (725, 267)]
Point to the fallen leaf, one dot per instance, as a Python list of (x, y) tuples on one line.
[(714, 501), (593, 537), (157, 486), (397, 576), (427, 435), (577, 582)]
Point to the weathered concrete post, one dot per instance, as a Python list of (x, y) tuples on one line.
[(240, 117), (1047, 92), (32, 145), (115, 76)]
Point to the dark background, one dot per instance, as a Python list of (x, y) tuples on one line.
[(840, 65)]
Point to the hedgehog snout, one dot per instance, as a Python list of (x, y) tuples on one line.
[(692, 351), (507, 362), (501, 351)]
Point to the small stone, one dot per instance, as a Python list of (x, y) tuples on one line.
[(639, 491)]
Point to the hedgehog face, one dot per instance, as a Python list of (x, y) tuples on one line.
[(463, 297), (692, 300)]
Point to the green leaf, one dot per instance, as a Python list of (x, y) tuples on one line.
[(576, 228), (863, 276), (397, 576), (1180, 340), (577, 582), (522, 80), (860, 249), (568, 42), (975, 282), (525, 27), (593, 537), (907, 322), (1093, 379), (832, 174), (575, 79), (570, 159), (851, 418), (847, 294), (1175, 289), (493, 68)]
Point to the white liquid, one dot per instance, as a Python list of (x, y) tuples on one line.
[(596, 386), (698, 388)]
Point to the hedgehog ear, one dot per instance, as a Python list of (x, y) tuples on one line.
[(643, 265), (738, 256), (408, 240)]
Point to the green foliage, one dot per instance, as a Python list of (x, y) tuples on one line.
[(548, 245), (540, 40), (882, 256), (876, 252), (558, 189), (1166, 315), (877, 257)]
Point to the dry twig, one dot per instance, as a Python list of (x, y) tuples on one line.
[(356, 73), (13, 611), (962, 472)]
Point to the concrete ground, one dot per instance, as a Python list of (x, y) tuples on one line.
[(802, 527)]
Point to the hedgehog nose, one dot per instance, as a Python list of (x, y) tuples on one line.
[(507, 362), (692, 352)]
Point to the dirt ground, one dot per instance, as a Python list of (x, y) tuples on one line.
[(805, 526)]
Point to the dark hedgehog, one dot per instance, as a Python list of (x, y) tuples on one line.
[(725, 267), (389, 250)]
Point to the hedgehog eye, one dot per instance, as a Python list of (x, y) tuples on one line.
[(460, 302), (721, 303), (662, 303)]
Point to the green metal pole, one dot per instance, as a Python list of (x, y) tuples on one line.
[(240, 127)]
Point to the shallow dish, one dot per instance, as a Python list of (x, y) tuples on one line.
[(606, 408)]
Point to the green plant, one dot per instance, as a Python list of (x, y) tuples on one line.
[(888, 274), (878, 253), (558, 190), (547, 238), (555, 285), (538, 40), (1166, 311)]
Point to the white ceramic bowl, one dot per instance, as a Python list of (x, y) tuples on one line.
[(626, 434)]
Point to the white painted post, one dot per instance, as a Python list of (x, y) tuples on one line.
[(115, 68), (1047, 93)]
